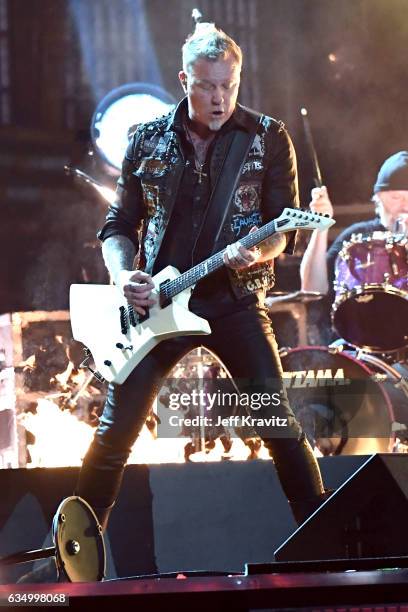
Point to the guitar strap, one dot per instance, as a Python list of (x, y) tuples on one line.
[(221, 197)]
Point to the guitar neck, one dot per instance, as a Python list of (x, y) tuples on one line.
[(213, 263)]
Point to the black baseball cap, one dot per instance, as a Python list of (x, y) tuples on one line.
[(393, 174)]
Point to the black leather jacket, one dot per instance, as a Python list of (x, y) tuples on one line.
[(151, 174)]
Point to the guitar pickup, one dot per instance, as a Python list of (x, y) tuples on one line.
[(132, 316), (124, 325)]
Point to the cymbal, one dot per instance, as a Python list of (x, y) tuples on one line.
[(282, 297)]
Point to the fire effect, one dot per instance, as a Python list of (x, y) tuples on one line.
[(61, 439), (58, 403)]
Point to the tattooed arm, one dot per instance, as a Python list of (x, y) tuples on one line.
[(120, 236), (119, 254)]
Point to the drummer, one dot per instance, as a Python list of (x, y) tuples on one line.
[(390, 200)]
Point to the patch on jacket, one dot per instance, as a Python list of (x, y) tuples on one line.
[(151, 198), (152, 166), (253, 166), (246, 198), (258, 147), (245, 222), (154, 230)]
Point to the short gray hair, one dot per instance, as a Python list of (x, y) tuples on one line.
[(208, 42)]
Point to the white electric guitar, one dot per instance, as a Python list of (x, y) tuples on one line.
[(119, 338)]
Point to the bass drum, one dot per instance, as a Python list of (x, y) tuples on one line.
[(338, 401)]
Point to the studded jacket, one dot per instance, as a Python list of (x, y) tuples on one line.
[(152, 171)]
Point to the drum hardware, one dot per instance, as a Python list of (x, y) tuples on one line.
[(333, 350), (79, 548), (394, 359), (342, 286), (402, 384), (295, 303), (380, 378), (283, 297), (362, 298)]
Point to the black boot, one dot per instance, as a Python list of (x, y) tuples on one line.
[(303, 508), (299, 474), (103, 514)]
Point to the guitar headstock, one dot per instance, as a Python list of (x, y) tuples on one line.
[(297, 218)]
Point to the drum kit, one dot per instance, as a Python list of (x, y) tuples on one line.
[(351, 397), (371, 306)]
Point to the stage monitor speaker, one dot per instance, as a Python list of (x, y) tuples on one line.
[(365, 517)]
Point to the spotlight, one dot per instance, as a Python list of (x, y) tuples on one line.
[(120, 109)]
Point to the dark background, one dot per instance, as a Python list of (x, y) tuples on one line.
[(58, 58)]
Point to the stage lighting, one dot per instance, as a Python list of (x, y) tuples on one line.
[(122, 108)]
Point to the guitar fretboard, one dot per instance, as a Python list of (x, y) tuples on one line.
[(213, 263)]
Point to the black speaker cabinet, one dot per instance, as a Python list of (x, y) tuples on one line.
[(366, 517)]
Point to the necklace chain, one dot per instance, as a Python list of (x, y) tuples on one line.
[(198, 165)]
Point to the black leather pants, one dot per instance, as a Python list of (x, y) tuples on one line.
[(245, 343)]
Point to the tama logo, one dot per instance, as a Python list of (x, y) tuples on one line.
[(303, 379)]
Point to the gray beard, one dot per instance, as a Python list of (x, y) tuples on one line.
[(215, 125)]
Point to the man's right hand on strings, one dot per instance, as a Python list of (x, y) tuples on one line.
[(137, 287)]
